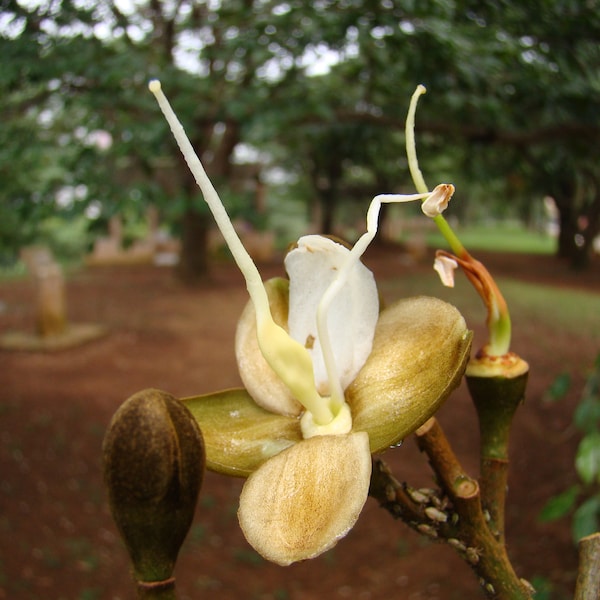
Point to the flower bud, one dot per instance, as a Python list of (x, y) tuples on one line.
[(153, 456)]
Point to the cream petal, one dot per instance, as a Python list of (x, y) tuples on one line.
[(239, 435), (262, 383), (445, 267), (420, 351), (312, 265), (302, 501)]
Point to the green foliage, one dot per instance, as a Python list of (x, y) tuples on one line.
[(583, 501), (560, 505), (68, 239), (543, 588), (559, 388), (586, 518), (587, 461), (320, 88)]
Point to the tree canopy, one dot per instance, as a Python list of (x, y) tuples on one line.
[(321, 87)]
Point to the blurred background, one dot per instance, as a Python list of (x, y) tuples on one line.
[(297, 110)]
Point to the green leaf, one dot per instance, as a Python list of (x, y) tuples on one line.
[(587, 460), (238, 434), (559, 506), (543, 587), (559, 388), (586, 519), (587, 415)]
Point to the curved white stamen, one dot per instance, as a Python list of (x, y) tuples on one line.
[(289, 359), (337, 393), (240, 255), (411, 146)]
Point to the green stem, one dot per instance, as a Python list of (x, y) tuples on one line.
[(449, 235), (496, 398), (500, 333)]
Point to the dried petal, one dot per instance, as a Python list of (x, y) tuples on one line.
[(437, 202), (240, 436), (263, 384), (420, 350), (301, 502), (445, 267)]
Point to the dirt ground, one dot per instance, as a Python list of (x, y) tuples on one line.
[(57, 539)]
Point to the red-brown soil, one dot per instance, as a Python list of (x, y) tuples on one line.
[(58, 541)]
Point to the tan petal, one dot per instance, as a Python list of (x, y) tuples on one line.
[(263, 384), (239, 436), (419, 354), (302, 501)]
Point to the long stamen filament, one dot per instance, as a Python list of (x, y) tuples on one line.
[(498, 320), (417, 176), (287, 357), (411, 146), (359, 248), (240, 255)]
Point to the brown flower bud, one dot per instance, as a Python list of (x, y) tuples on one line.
[(153, 467)]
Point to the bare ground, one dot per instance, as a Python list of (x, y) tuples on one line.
[(57, 539)]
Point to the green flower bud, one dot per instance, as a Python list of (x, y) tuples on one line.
[(153, 467)]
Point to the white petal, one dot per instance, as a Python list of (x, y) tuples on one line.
[(312, 266), (301, 502)]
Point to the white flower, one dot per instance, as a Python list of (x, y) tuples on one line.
[(337, 380)]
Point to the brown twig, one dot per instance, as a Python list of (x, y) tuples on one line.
[(453, 514), (432, 440)]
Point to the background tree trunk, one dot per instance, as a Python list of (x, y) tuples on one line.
[(194, 256), (193, 260)]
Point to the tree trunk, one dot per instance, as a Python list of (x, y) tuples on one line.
[(328, 202), (578, 228), (567, 230), (193, 260)]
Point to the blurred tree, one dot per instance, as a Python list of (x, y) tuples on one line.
[(75, 75), (324, 86), (513, 97)]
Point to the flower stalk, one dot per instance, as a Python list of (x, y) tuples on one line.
[(498, 317), (496, 399)]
